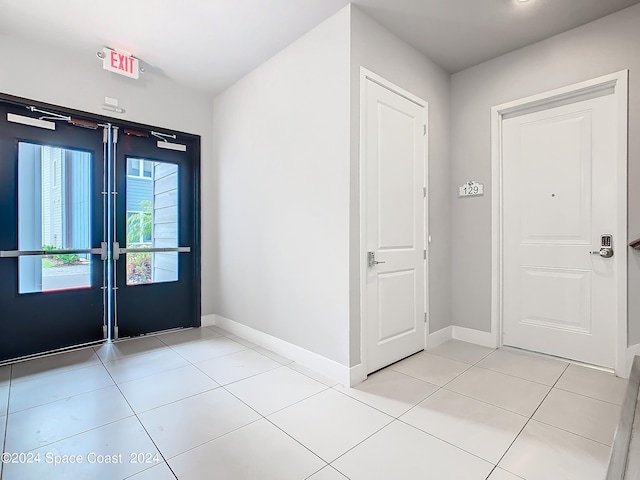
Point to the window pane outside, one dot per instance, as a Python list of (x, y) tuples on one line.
[(152, 222), (54, 213)]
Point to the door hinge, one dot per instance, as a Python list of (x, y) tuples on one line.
[(425, 317), (424, 130), (424, 254), (115, 135), (424, 192)]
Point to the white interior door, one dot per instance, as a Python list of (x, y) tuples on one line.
[(559, 197), (394, 160)]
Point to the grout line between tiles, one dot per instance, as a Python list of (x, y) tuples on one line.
[(588, 396), (527, 422), (6, 421), (382, 411), (361, 442), (299, 443), (447, 442), (493, 350), (522, 378), (143, 427)]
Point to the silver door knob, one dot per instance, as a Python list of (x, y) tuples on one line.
[(371, 257), (604, 252)]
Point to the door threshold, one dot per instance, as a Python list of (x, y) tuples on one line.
[(50, 353), (151, 334), (547, 356)]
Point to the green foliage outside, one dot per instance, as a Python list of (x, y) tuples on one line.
[(140, 227), (64, 258), (140, 224)]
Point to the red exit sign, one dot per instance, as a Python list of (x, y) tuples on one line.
[(120, 63)]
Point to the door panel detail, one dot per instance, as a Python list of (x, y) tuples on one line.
[(558, 298), (396, 304)]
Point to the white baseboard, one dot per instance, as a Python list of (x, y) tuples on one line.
[(357, 374), (327, 367), (207, 320), (485, 339), (438, 338)]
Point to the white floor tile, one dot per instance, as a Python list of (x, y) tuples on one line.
[(542, 452), (404, 452), (237, 366), (187, 335), (203, 350), (115, 442), (330, 423), (5, 375), (535, 369), (4, 399), (127, 348), (52, 364), (500, 474), (3, 424), (311, 374), (593, 383), (166, 387), (274, 390), (259, 451), (183, 425), (273, 356), (328, 473), (159, 472), (389, 391), (50, 388), (474, 426), (511, 393), (242, 341), (139, 366), (430, 368), (218, 330), (55, 421), (461, 351), (584, 416)]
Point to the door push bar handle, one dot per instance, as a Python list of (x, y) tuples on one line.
[(33, 253), (371, 257), (117, 250)]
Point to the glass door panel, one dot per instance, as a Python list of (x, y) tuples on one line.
[(157, 224), (152, 221), (54, 213), (51, 229)]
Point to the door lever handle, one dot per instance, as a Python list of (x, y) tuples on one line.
[(371, 257), (604, 252)]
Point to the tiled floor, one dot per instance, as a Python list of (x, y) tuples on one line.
[(204, 404)]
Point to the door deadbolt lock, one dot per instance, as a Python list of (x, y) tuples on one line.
[(371, 257), (606, 247)]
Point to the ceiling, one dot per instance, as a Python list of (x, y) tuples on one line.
[(209, 44)]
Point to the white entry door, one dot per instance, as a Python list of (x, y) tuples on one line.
[(559, 197), (394, 174)]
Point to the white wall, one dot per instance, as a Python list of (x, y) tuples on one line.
[(378, 50), (281, 148), (76, 80), (604, 46)]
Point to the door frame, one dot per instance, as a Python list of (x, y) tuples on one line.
[(618, 83), (368, 75)]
